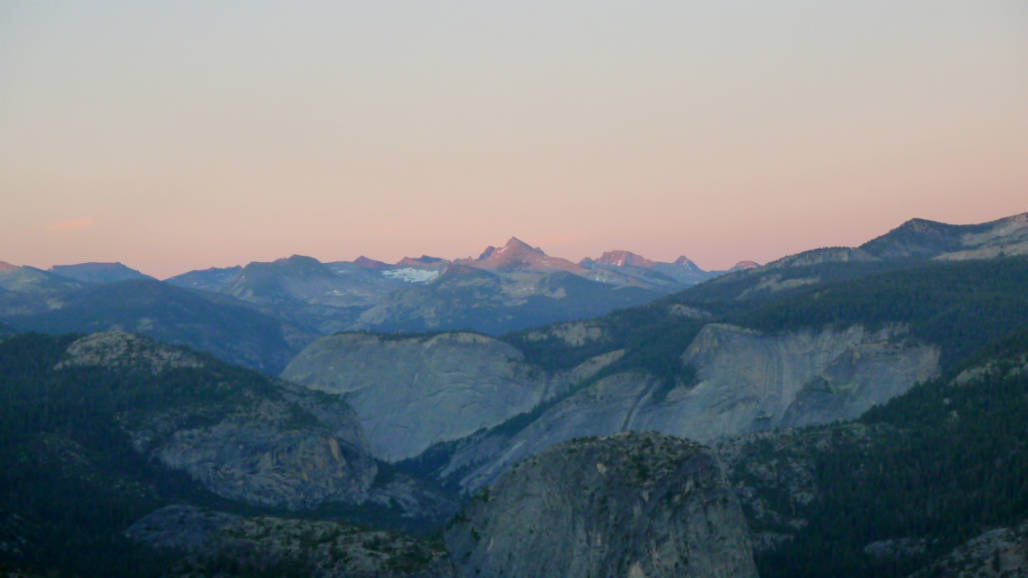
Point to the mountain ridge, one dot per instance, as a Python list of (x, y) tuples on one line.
[(227, 328), (98, 272), (516, 255)]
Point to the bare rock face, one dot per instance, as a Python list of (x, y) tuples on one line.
[(603, 408), (745, 381), (411, 392), (257, 454), (573, 333), (998, 553), (120, 349), (627, 505), (238, 433), (755, 381)]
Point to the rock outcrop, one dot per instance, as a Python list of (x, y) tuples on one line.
[(241, 435), (745, 381), (756, 381), (256, 455), (628, 505), (410, 392), (118, 349), (603, 408)]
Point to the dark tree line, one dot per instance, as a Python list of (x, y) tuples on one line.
[(945, 463)]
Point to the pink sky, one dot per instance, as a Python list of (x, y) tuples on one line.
[(186, 136)]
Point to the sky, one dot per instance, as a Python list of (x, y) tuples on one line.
[(179, 135)]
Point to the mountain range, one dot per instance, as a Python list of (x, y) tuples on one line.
[(261, 314), (866, 401), (505, 288)]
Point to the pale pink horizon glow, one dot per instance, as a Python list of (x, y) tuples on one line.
[(197, 135), (71, 225)]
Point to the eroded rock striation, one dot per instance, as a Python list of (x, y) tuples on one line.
[(410, 392), (745, 381), (238, 433), (792, 379), (633, 504)]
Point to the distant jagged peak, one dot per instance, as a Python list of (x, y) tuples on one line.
[(518, 245), (369, 263), (295, 265), (684, 261), (423, 261), (743, 265), (211, 278), (512, 246), (925, 239), (622, 258), (297, 259), (6, 267), (518, 255), (925, 229), (919, 224)]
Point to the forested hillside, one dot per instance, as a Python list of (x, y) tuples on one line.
[(959, 306), (232, 330), (98, 431), (71, 480), (904, 484)]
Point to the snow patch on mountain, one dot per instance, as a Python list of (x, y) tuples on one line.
[(412, 275)]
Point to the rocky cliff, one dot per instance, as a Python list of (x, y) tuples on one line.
[(99, 430), (410, 392), (803, 377), (919, 484), (242, 436), (744, 381), (239, 434), (628, 505)]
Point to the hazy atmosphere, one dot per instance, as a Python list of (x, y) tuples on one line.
[(173, 136), (666, 289)]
